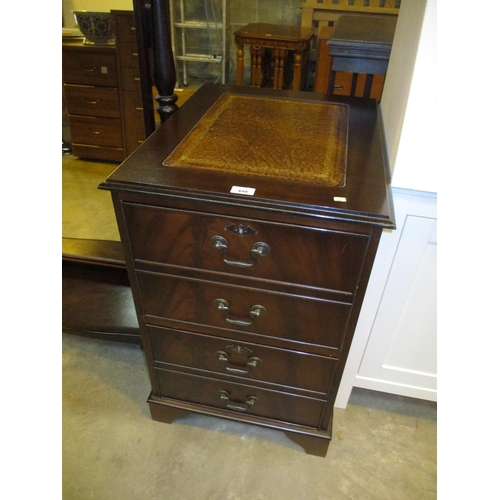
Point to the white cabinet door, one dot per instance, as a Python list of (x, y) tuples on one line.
[(394, 348)]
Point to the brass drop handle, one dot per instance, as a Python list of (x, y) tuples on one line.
[(252, 362), (88, 101), (260, 249), (256, 311), (97, 132), (237, 405)]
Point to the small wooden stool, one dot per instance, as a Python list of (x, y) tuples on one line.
[(280, 39)]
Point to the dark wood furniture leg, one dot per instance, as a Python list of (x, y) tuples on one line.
[(165, 414), (155, 44), (163, 59), (312, 445)]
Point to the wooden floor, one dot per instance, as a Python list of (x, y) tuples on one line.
[(87, 212)]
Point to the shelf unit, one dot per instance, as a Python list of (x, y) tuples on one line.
[(181, 24)]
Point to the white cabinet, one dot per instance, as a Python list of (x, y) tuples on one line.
[(394, 348)]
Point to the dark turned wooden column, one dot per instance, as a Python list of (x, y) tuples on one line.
[(163, 59), (156, 59)]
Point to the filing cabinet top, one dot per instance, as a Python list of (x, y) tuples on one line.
[(278, 150)]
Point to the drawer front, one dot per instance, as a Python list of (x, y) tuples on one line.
[(125, 28), (131, 79), (240, 399), (242, 359), (98, 152), (98, 131), (190, 302), (129, 56), (343, 84), (92, 101), (135, 132), (89, 69), (318, 258)]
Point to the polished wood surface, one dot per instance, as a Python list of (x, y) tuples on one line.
[(337, 268), (284, 368), (247, 303), (96, 101), (89, 65), (289, 320), (366, 191), (282, 40)]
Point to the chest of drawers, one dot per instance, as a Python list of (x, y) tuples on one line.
[(247, 303), (90, 82)]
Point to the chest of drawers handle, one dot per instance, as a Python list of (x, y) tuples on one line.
[(237, 405), (256, 311), (252, 362), (260, 249)]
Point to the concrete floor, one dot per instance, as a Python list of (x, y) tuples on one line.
[(384, 446)]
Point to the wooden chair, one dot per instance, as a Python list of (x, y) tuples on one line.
[(318, 14), (361, 45), (322, 15)]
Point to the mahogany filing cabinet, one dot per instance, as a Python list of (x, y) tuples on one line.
[(250, 221)]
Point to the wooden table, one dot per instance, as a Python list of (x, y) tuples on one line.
[(280, 39), (361, 44)]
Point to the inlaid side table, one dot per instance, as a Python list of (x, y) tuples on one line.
[(280, 39)]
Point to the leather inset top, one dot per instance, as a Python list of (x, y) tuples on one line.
[(284, 139)]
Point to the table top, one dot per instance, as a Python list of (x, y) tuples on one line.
[(75, 44), (245, 135), (275, 31), (201, 154), (372, 30)]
